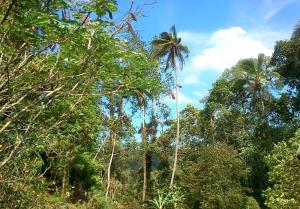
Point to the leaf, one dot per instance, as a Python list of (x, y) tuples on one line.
[(110, 15), (133, 16), (178, 85)]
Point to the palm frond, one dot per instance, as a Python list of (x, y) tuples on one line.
[(261, 61), (159, 41), (248, 65), (161, 51), (173, 30), (181, 60), (296, 33), (170, 61), (133, 16), (183, 49), (166, 35)]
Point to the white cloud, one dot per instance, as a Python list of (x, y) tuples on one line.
[(201, 94), (272, 7), (192, 38), (259, 13), (269, 37), (212, 53), (184, 99), (226, 48), (190, 80)]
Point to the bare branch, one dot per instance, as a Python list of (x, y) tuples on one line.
[(12, 153)]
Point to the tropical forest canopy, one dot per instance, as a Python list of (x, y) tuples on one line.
[(75, 80)]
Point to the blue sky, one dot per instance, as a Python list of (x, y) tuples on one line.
[(218, 33)]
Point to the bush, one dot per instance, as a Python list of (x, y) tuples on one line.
[(212, 179)]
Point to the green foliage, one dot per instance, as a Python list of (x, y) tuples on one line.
[(252, 203), (56, 61), (212, 179), (286, 62), (73, 84), (283, 191), (171, 198)]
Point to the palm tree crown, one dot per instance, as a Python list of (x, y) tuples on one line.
[(168, 44), (256, 74)]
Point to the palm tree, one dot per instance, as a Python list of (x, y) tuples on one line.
[(169, 45), (256, 75)]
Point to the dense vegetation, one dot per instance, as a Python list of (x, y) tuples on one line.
[(83, 123)]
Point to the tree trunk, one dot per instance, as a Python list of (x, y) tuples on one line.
[(177, 132), (144, 136), (262, 102), (154, 123), (244, 102), (298, 153), (12, 153), (65, 179), (112, 142), (109, 170), (253, 99)]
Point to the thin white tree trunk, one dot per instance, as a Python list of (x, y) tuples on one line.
[(177, 132), (109, 165), (112, 140), (89, 46), (144, 152), (12, 153)]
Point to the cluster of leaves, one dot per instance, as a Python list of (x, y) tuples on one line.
[(170, 198), (57, 58), (283, 191)]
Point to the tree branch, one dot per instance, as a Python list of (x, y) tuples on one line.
[(8, 11), (12, 153)]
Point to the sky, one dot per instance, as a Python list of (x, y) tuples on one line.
[(217, 32)]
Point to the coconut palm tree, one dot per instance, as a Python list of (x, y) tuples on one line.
[(169, 45), (256, 75)]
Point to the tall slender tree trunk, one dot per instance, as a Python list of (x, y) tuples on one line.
[(144, 136), (112, 142), (154, 122), (177, 131), (262, 101), (65, 179), (253, 99), (244, 101), (109, 170)]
